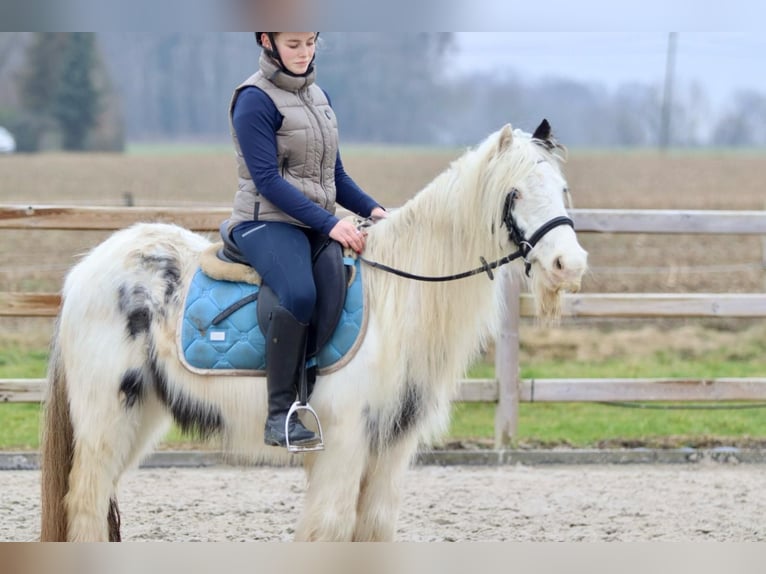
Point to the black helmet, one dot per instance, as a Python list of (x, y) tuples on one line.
[(271, 37), (273, 52)]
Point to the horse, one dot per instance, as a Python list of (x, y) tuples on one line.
[(115, 381)]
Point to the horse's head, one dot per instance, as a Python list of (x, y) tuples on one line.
[(525, 176)]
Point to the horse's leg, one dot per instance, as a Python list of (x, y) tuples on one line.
[(333, 486), (380, 494), (107, 418), (154, 422), (96, 468)]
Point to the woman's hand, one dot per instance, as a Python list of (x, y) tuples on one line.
[(348, 235), (378, 213)]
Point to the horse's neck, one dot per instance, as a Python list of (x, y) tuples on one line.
[(439, 324), (440, 231)]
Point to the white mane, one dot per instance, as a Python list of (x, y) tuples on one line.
[(463, 206)]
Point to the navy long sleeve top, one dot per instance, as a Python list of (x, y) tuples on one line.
[(256, 121)]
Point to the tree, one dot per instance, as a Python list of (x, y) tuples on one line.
[(634, 116), (37, 81), (390, 90), (60, 89), (31, 121), (744, 124), (76, 100)]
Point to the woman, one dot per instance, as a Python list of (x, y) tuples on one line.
[(290, 178)]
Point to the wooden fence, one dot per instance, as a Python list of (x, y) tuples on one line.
[(507, 389)]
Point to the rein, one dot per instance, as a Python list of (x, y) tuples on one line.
[(524, 247), (485, 268)]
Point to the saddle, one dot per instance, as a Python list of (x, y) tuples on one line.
[(226, 312), (331, 277)]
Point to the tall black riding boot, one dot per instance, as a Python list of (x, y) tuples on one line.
[(285, 353)]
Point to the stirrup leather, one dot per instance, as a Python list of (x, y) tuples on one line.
[(298, 406)]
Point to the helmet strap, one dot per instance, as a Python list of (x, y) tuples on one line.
[(273, 53)]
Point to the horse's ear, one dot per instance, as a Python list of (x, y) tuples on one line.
[(543, 131), (544, 135), (505, 139)]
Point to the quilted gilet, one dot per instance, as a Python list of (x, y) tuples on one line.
[(307, 144)]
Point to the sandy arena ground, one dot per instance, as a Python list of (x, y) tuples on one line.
[(702, 502)]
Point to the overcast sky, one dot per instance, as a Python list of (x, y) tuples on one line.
[(722, 62)]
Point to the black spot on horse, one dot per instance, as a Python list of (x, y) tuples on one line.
[(113, 520), (135, 303), (403, 420), (192, 416), (410, 406), (373, 429), (132, 386), (168, 269)]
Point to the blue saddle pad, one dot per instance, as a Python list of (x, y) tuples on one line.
[(235, 345)]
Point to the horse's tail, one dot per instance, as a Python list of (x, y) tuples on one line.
[(56, 451)]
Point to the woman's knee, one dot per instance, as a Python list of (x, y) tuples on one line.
[(301, 302)]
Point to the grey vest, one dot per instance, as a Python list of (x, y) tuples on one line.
[(307, 144)]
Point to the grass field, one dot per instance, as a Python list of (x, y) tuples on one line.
[(38, 260), (697, 352)]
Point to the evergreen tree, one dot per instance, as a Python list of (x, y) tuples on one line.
[(76, 100), (35, 84), (37, 81)]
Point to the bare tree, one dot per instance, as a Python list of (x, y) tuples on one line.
[(744, 124)]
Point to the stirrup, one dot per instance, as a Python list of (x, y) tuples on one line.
[(297, 406)]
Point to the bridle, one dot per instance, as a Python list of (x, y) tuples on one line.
[(516, 234)]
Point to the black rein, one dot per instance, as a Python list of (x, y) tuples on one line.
[(524, 247)]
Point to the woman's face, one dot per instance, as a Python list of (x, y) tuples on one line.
[(295, 48)]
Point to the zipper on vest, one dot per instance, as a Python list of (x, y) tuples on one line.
[(321, 168), (306, 97)]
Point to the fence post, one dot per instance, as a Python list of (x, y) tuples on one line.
[(763, 261), (507, 363), (763, 256)]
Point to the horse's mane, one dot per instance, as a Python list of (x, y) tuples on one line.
[(444, 229), (462, 206)]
